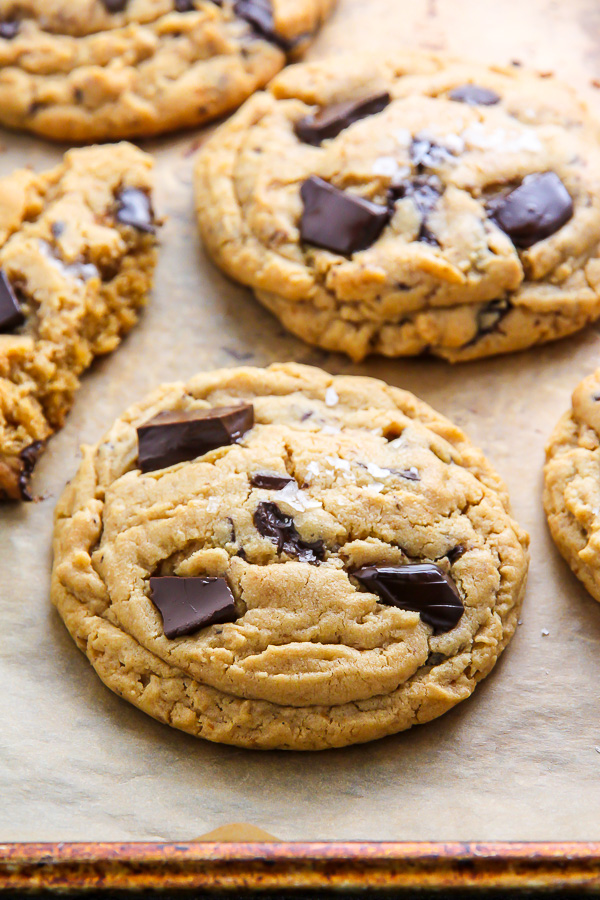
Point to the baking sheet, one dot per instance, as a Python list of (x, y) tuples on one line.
[(521, 759)]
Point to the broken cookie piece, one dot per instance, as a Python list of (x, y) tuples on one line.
[(73, 277)]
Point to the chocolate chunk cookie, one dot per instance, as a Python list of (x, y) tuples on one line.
[(108, 69), (572, 484), (423, 205), (328, 562), (77, 255)]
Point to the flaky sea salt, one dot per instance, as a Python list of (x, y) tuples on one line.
[(298, 500), (376, 471), (331, 397), (336, 463)]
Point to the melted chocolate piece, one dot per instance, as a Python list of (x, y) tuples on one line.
[(28, 456), (332, 120), (9, 30), (187, 604), (272, 523), (259, 14), (115, 6), (533, 211), (456, 553), (184, 5), (338, 221), (178, 436), (424, 191), (474, 95), (269, 481), (491, 315), (11, 315), (135, 209), (420, 587)]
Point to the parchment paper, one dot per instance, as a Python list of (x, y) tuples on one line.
[(520, 760)]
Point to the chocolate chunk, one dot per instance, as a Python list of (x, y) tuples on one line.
[(411, 474), (174, 437), (435, 659), (57, 229), (533, 211), (115, 6), (338, 221), (596, 396), (474, 95), (420, 587), (269, 481), (28, 456), (9, 30), (332, 120), (184, 5), (273, 524), (135, 209), (456, 553), (489, 317), (187, 604), (259, 14), (424, 191), (10, 310)]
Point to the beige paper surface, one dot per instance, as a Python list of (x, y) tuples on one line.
[(520, 760)]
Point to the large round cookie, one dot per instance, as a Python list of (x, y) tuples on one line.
[(423, 205), (106, 69), (572, 484), (341, 565)]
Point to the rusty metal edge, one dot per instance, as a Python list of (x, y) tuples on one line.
[(284, 866)]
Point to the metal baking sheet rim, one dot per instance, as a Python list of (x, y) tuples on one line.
[(277, 866)]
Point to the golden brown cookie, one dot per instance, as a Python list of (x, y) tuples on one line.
[(282, 558), (77, 256), (572, 484), (419, 205), (109, 69)]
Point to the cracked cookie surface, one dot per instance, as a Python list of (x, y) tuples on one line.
[(77, 252), (572, 484), (337, 474), (483, 223), (110, 69)]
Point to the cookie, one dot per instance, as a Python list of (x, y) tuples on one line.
[(109, 69), (572, 484), (279, 558), (420, 206), (77, 254)]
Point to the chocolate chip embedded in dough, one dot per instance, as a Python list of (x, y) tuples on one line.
[(11, 315), (338, 221), (183, 6), (188, 604), (533, 211), (135, 209), (330, 121), (474, 95), (28, 456), (178, 436), (276, 526), (259, 14), (424, 191), (490, 316), (269, 481), (420, 587), (9, 30), (114, 6)]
